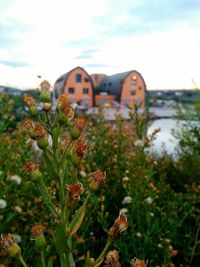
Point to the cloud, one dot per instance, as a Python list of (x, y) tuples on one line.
[(14, 64)]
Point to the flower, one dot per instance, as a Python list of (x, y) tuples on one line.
[(16, 179), (138, 143), (80, 123), (82, 173), (112, 259), (3, 203), (9, 245), (30, 166), (17, 238), (37, 230), (138, 234), (120, 225), (138, 263), (125, 180), (95, 178), (80, 149), (127, 200), (75, 190), (29, 100), (124, 210), (148, 200), (18, 209)]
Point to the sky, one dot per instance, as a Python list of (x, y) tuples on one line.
[(47, 38)]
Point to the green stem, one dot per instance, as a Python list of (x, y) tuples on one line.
[(101, 256), (42, 259), (22, 261), (63, 260), (69, 260)]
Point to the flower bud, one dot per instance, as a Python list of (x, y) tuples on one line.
[(33, 111), (10, 247), (74, 133), (120, 225), (42, 143), (37, 232), (46, 107), (36, 175)]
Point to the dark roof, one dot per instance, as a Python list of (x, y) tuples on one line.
[(113, 84)]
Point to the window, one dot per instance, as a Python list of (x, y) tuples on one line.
[(85, 91), (78, 78), (86, 79), (133, 92), (71, 90), (140, 87)]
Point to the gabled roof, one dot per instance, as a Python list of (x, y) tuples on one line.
[(113, 84)]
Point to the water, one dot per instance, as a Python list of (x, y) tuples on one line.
[(164, 139)]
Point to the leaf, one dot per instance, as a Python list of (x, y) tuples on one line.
[(77, 219), (61, 239), (50, 263)]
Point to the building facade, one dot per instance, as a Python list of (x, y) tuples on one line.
[(128, 88), (77, 84)]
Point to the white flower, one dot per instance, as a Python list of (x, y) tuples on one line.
[(148, 200), (127, 200), (1, 172), (18, 209), (125, 179), (138, 234), (138, 143), (3, 203), (124, 210), (17, 238), (151, 214), (82, 173), (16, 179)]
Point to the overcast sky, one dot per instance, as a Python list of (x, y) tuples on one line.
[(158, 38)]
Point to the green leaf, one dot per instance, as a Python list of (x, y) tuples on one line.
[(61, 239), (50, 263), (77, 219)]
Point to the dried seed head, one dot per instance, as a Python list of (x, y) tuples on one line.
[(30, 166), (112, 259), (120, 225), (80, 149), (9, 246), (45, 85), (29, 100), (46, 106), (138, 263), (95, 178), (39, 131), (28, 125), (75, 190), (80, 123), (37, 230), (63, 98)]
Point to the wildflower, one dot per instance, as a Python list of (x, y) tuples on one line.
[(3, 203), (38, 232), (151, 214), (138, 263), (30, 166), (82, 173), (112, 259), (160, 246), (127, 200), (9, 245), (138, 234), (148, 200), (29, 126), (39, 131), (125, 180), (45, 95), (124, 210), (17, 238), (138, 143), (95, 178), (80, 123), (75, 190), (29, 100), (16, 179), (80, 149), (18, 209), (120, 225), (46, 107)]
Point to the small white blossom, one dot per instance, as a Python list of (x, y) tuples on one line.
[(138, 143), (18, 209), (17, 238), (124, 210), (16, 179), (127, 200), (138, 234), (148, 200), (160, 246), (125, 179), (82, 173), (1, 172), (3, 203), (151, 214)]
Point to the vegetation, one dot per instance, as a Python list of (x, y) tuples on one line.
[(72, 185)]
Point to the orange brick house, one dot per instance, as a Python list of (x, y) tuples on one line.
[(77, 84), (126, 88)]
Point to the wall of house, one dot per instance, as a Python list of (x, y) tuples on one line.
[(103, 99), (78, 87), (133, 90)]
